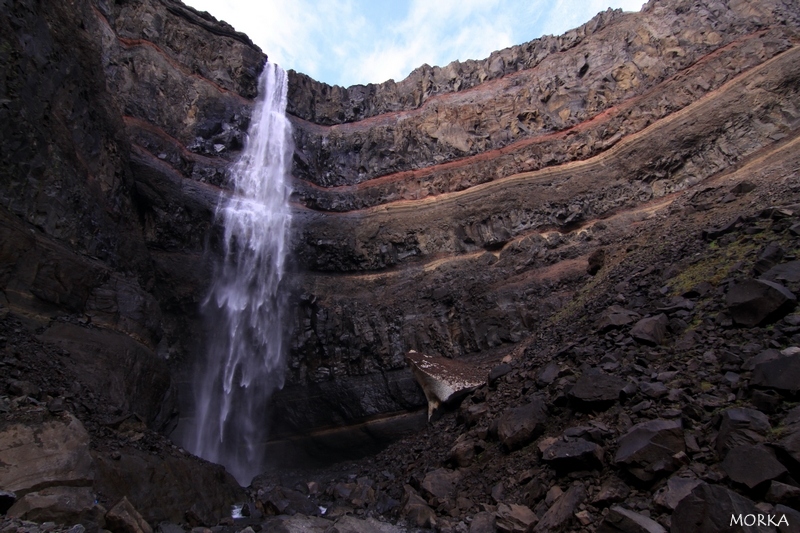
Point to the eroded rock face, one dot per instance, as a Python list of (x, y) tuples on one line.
[(45, 453)]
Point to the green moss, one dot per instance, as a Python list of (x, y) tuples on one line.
[(575, 307), (716, 266)]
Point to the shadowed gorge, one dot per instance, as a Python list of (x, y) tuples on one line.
[(550, 290)]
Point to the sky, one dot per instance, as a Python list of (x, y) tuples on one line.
[(347, 42)]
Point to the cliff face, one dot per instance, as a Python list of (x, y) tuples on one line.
[(453, 212)]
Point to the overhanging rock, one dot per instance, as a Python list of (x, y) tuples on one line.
[(444, 381)]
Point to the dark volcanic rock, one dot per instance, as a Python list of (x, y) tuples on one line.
[(483, 522), (740, 426), (782, 493), (513, 518), (647, 450), (612, 490), (45, 452), (755, 302), (752, 465), (57, 504), (786, 272), (498, 372), (781, 374), (124, 518), (165, 488), (578, 454), (596, 391), (651, 330), (416, 509), (621, 520), (615, 317), (676, 490), (710, 508), (790, 442), (596, 261), (562, 512), (520, 425), (458, 220), (280, 500), (440, 485)]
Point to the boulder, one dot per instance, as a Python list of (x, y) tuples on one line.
[(497, 372), (781, 374), (574, 454), (648, 448), (768, 258), (790, 442), (513, 518), (440, 485), (596, 261), (164, 488), (416, 510), (483, 522), (472, 413), (740, 426), (621, 520), (786, 517), (756, 302), (784, 272), (710, 509), (46, 451), (676, 490), (444, 381), (752, 465), (463, 451), (123, 518), (63, 505), (518, 426), (612, 490), (280, 500), (561, 514), (615, 317), (653, 389), (597, 391), (548, 374), (712, 234), (652, 330), (784, 494)]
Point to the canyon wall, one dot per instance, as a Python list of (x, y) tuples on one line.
[(453, 212)]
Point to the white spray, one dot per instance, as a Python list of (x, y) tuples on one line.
[(244, 363)]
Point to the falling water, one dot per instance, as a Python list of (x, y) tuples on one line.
[(244, 310)]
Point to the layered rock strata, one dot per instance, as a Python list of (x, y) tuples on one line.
[(455, 216), (453, 213)]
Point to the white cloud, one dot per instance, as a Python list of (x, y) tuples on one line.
[(334, 41)]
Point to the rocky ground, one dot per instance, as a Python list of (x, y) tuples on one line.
[(662, 397)]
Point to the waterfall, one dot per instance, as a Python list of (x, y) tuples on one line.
[(244, 362)]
